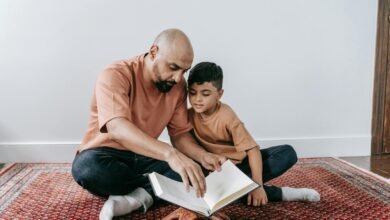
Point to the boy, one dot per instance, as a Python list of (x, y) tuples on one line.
[(218, 129)]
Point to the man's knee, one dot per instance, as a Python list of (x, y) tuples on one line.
[(84, 171)]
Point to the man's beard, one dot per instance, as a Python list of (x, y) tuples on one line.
[(164, 86)]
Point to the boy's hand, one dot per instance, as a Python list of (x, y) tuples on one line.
[(212, 161), (257, 197)]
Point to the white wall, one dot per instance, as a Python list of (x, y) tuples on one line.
[(296, 71)]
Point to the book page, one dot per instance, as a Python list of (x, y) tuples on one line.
[(233, 197), (174, 191), (225, 183)]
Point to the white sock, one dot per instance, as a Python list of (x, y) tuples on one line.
[(121, 205), (300, 194)]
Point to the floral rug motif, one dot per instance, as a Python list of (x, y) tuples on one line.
[(48, 191)]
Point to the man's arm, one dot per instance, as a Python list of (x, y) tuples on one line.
[(130, 136), (187, 144)]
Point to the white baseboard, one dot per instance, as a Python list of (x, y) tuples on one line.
[(325, 147), (305, 147), (37, 152)]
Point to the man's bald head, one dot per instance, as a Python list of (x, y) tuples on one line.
[(174, 41), (169, 57)]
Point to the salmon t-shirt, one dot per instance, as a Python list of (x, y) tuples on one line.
[(222, 133), (122, 91)]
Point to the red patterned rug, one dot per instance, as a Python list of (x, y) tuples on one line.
[(48, 191)]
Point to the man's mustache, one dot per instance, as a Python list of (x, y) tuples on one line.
[(170, 82)]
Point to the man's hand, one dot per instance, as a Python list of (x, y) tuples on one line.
[(257, 197), (212, 161), (189, 171)]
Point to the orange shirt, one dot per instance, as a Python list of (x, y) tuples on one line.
[(121, 91), (222, 133)]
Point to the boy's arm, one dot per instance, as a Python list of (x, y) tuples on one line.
[(256, 164), (187, 144), (259, 196)]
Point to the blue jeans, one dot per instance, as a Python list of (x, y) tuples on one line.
[(107, 171)]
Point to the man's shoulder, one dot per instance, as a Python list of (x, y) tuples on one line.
[(125, 64), (125, 68)]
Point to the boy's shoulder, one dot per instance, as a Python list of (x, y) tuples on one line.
[(225, 107), (227, 112)]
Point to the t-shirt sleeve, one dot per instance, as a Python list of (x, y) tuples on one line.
[(112, 98), (242, 139), (180, 122)]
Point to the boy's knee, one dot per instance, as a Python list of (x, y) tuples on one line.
[(290, 154)]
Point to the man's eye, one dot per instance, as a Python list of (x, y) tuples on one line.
[(173, 67), (206, 94)]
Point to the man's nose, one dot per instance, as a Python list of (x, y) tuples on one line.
[(177, 77)]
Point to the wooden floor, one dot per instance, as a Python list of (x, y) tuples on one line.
[(377, 164)]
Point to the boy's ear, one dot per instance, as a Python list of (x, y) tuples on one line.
[(220, 93)]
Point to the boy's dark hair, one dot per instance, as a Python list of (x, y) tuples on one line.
[(206, 72)]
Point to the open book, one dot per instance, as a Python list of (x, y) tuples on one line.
[(223, 188)]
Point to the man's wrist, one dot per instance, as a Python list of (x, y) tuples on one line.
[(168, 153)]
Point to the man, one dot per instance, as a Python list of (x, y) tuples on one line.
[(134, 100)]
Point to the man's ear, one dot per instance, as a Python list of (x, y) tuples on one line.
[(220, 93), (153, 51)]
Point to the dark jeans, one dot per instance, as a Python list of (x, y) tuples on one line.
[(106, 171)]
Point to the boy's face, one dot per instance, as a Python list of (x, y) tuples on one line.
[(204, 97)]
